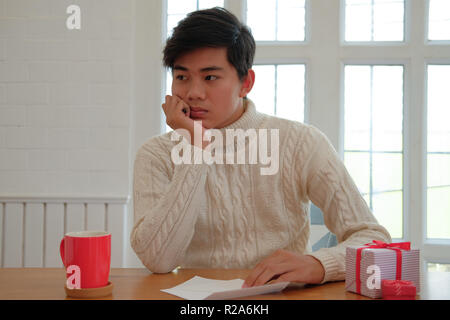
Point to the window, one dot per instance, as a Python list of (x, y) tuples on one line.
[(438, 156), (376, 84), (373, 142), (374, 20)]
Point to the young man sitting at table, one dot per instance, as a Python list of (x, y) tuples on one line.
[(230, 215)]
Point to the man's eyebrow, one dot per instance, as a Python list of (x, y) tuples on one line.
[(212, 68), (178, 67), (206, 69)]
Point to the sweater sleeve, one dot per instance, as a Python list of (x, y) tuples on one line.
[(166, 206), (346, 214)]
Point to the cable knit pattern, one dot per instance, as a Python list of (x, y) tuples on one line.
[(231, 216)]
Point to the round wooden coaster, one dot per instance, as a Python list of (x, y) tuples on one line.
[(90, 292)]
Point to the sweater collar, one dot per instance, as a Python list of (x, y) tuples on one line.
[(250, 118)]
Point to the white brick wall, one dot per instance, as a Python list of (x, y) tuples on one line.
[(65, 97)]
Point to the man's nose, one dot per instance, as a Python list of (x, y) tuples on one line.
[(196, 90)]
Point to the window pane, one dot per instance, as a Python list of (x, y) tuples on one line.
[(387, 171), (276, 20), (373, 145), (291, 20), (358, 164), (290, 102), (438, 158), (358, 21), (280, 90), (388, 21), (439, 20), (374, 20), (357, 107), (387, 208), (438, 170), (370, 94), (387, 99), (261, 19), (263, 92), (438, 108)]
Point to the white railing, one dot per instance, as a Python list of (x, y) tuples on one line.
[(31, 227)]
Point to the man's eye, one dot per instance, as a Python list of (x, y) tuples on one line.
[(180, 77), (210, 78)]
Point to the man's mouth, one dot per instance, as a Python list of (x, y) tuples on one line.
[(197, 112)]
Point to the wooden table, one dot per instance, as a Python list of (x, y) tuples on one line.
[(140, 284)]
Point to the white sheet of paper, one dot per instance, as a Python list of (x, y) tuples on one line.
[(198, 288)]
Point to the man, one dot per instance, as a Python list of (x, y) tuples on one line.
[(228, 215)]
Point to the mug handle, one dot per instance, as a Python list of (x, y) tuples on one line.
[(61, 252)]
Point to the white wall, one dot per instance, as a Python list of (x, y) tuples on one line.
[(67, 102), (65, 97)]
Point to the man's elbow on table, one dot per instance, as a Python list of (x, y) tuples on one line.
[(152, 262), (160, 269), (156, 266)]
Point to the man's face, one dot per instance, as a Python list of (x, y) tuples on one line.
[(210, 85)]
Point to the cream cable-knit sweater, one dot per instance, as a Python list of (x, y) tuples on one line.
[(231, 216)]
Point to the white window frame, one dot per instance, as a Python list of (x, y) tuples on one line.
[(415, 53), (324, 53)]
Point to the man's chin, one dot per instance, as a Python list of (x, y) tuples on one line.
[(205, 123)]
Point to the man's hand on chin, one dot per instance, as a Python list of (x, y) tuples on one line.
[(178, 117)]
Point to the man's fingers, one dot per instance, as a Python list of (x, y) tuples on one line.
[(287, 266), (254, 274), (267, 272), (184, 107), (273, 259), (175, 103), (286, 277), (177, 112)]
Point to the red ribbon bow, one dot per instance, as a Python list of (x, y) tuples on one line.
[(397, 247), (381, 244)]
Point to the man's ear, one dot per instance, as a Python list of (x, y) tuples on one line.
[(247, 83)]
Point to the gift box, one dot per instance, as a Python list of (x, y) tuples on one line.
[(398, 290), (367, 266)]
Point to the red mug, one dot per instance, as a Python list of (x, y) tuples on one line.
[(88, 255)]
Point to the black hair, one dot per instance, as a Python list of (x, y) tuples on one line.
[(215, 28)]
